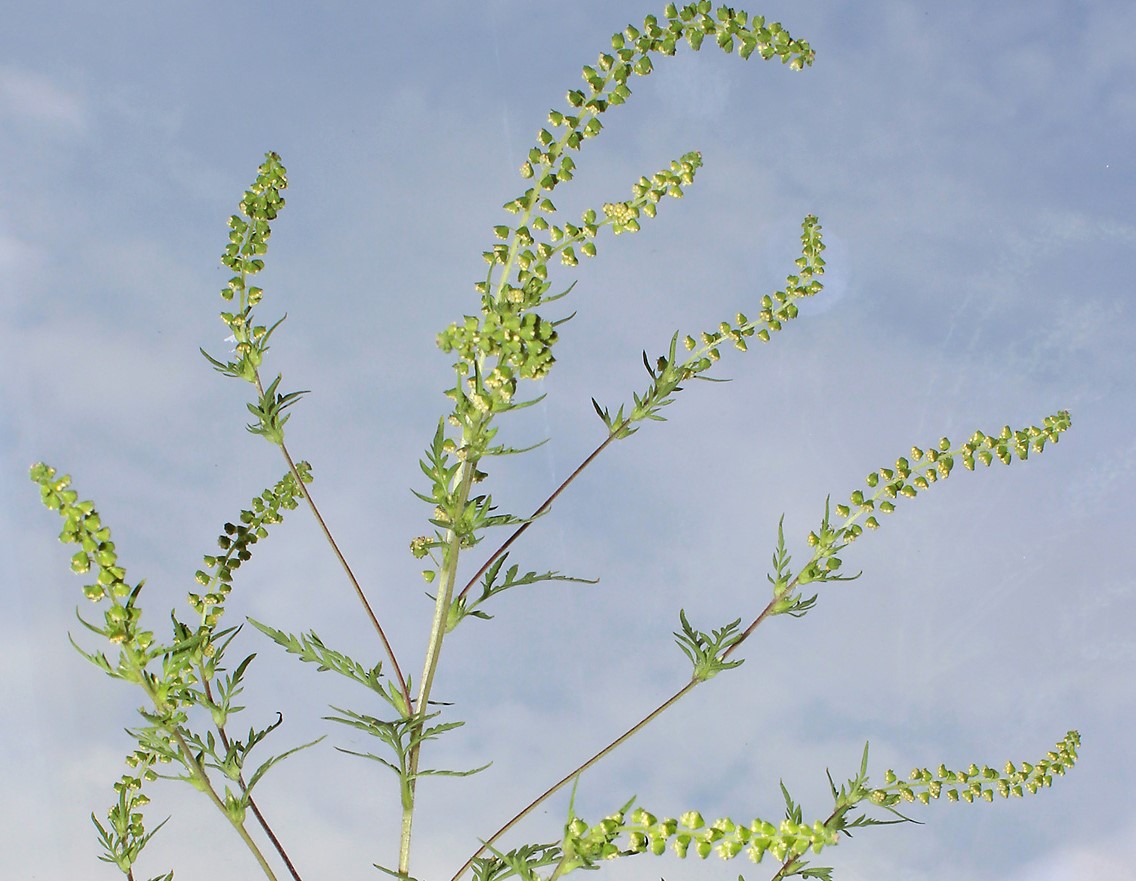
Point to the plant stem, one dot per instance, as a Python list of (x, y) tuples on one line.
[(545, 506), (765, 613), (350, 575), (571, 775), (272, 837), (630, 732), (791, 862), (243, 832), (430, 664), (189, 760), (252, 804)]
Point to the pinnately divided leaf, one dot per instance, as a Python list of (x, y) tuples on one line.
[(310, 648)]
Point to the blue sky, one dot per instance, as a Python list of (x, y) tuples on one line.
[(973, 170)]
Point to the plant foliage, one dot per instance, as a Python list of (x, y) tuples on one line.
[(190, 690)]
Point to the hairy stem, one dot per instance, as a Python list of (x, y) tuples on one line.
[(430, 664)]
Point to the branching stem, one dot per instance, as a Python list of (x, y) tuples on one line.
[(196, 769), (630, 732), (347, 568), (252, 804), (571, 775), (545, 506)]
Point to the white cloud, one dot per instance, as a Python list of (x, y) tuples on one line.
[(18, 262), (694, 86), (30, 97), (1113, 858)]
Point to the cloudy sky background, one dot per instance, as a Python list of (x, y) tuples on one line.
[(973, 170)]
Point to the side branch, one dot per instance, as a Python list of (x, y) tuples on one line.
[(350, 577), (544, 507), (571, 775), (767, 612)]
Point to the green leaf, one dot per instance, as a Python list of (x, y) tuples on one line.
[(263, 769), (311, 649), (705, 651), (269, 412), (460, 607)]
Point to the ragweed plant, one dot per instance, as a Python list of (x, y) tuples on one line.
[(190, 688)]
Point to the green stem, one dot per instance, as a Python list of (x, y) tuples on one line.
[(430, 664), (243, 832), (206, 786), (791, 864), (252, 804), (196, 770), (559, 870)]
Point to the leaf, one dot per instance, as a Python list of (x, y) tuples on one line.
[(263, 769), (400, 875), (371, 756), (311, 649), (705, 650), (454, 773)]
